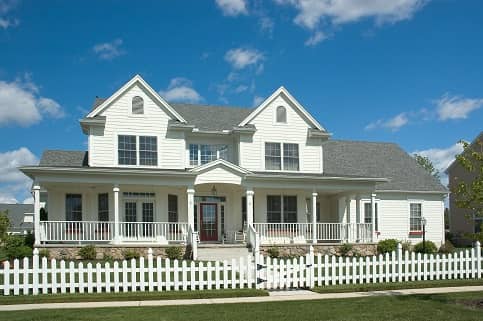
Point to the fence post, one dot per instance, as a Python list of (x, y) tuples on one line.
[(150, 270), (478, 259), (399, 262), (35, 272), (255, 266), (312, 267)]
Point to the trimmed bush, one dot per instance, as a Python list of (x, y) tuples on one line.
[(88, 252), (387, 246), (273, 252), (44, 253), (447, 248), (429, 247), (130, 254), (344, 249), (23, 251), (14, 247), (174, 253)]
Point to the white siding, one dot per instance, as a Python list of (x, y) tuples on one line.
[(252, 149), (120, 121)]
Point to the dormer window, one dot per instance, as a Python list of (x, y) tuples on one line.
[(137, 105), (281, 115)]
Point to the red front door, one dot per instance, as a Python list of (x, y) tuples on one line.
[(208, 222)]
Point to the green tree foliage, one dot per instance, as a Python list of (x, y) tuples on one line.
[(4, 225), (427, 164)]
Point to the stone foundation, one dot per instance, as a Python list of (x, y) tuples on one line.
[(71, 252), (293, 250)]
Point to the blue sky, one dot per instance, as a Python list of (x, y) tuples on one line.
[(406, 71)]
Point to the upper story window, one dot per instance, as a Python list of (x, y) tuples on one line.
[(137, 105), (274, 159), (415, 215), (281, 114), (127, 150), (202, 153)]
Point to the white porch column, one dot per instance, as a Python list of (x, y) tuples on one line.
[(117, 237), (36, 191), (191, 207), (314, 217), (358, 216), (373, 216), (250, 194), (348, 218)]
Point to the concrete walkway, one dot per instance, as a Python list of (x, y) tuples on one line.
[(276, 296)]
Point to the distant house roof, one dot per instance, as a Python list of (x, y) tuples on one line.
[(371, 159), (16, 213), (472, 145)]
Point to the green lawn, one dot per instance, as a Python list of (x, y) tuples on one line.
[(130, 296), (396, 286), (416, 307)]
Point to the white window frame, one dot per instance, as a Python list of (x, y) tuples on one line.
[(414, 201), (138, 160), (376, 218), (281, 157), (282, 211), (198, 160), (275, 116)]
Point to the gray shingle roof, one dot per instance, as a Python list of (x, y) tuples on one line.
[(64, 158), (372, 159), (16, 213)]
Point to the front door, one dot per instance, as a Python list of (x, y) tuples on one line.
[(208, 222)]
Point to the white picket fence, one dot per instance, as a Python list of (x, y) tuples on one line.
[(35, 275)]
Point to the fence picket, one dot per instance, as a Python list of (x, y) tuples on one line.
[(89, 278), (159, 277), (98, 278), (16, 278), (142, 283), (6, 278), (53, 267), (107, 277), (25, 278), (184, 275), (124, 276), (167, 275), (176, 282), (45, 276)]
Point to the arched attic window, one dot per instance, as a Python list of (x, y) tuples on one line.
[(137, 105), (281, 115)]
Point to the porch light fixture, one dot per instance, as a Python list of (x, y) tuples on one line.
[(214, 192)]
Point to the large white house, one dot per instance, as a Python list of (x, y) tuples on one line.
[(156, 170)]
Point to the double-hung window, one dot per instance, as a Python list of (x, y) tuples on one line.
[(281, 209), (148, 150), (204, 153), (172, 208), (415, 216), (73, 207), (280, 156), (368, 215), (103, 207), (127, 152)]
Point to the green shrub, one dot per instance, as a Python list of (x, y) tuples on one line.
[(406, 246), (387, 246), (273, 252), (23, 251), (29, 239), (447, 248), (345, 249), (107, 257), (87, 252), (44, 253), (12, 246), (429, 247), (174, 253), (130, 254)]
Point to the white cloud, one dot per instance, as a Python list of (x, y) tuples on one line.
[(232, 7), (28, 200), (317, 37), (441, 158), (6, 6), (109, 50), (394, 123), (240, 89), (15, 185), (181, 90), (240, 58), (455, 107), (21, 104), (257, 100)]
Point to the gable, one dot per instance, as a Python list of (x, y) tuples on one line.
[(138, 85), (281, 97)]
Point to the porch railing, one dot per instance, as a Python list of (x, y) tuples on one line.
[(97, 231), (284, 233)]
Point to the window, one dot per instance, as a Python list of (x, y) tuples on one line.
[(274, 160), (281, 114), (130, 212), (127, 150), (173, 208), (148, 150), (148, 211), (368, 215), (274, 209), (103, 207), (137, 105), (273, 156), (478, 224), (73, 207), (290, 209), (291, 157), (415, 215), (202, 154)]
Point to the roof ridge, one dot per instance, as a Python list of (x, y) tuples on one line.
[(209, 105), (361, 141)]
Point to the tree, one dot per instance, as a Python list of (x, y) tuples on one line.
[(427, 164), (4, 225)]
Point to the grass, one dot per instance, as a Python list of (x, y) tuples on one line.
[(131, 296), (439, 307), (342, 288)]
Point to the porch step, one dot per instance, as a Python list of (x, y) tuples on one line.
[(221, 252)]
